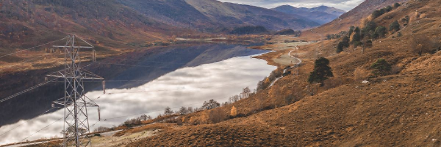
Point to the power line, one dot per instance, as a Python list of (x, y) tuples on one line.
[(1, 135), (32, 47), (33, 87)]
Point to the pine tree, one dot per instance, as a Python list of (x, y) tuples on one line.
[(381, 67), (394, 26), (321, 71)]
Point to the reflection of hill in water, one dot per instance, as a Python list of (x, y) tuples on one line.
[(155, 64), (170, 59)]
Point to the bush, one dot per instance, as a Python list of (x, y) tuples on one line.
[(380, 32), (396, 5), (233, 112), (381, 67), (340, 47), (217, 115), (388, 8), (249, 30), (368, 28), (377, 13), (395, 26)]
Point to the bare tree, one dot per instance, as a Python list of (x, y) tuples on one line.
[(168, 111), (190, 110), (183, 111), (210, 104), (143, 117)]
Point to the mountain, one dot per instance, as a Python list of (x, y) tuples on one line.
[(350, 18), (115, 23), (25, 23), (212, 15), (321, 14)]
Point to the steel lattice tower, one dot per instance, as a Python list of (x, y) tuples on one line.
[(75, 103)]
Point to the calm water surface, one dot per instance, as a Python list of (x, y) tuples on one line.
[(172, 77)]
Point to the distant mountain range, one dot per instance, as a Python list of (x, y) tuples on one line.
[(321, 14), (351, 18), (118, 22)]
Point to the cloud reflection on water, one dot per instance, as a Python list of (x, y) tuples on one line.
[(189, 87)]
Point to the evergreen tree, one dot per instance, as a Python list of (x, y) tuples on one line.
[(340, 47), (357, 36), (321, 71), (380, 32), (396, 5), (351, 30), (368, 29), (381, 67), (394, 26), (346, 41)]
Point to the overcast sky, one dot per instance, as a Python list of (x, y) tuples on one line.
[(340, 4)]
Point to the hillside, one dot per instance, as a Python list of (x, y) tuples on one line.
[(33, 22), (350, 18), (212, 15), (399, 109), (321, 14)]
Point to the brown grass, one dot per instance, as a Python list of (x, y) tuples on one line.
[(401, 109)]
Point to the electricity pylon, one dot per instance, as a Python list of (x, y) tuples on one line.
[(75, 103)]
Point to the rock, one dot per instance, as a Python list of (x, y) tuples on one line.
[(365, 82)]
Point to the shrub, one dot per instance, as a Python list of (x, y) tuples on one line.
[(395, 26), (381, 67), (340, 47), (388, 8), (377, 13), (380, 32), (233, 112), (369, 27), (351, 30), (217, 115), (396, 5)]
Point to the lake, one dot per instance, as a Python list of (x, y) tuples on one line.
[(163, 77)]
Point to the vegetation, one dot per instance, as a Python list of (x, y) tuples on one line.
[(336, 36), (211, 104), (344, 43), (168, 111), (394, 26), (249, 30), (233, 112), (356, 37), (396, 5), (288, 32), (405, 20), (350, 32), (369, 29), (380, 32), (381, 67), (379, 12), (321, 71)]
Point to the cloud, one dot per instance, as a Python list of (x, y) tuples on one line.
[(340, 4), (189, 87)]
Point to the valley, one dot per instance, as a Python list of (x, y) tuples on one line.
[(221, 74)]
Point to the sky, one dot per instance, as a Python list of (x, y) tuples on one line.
[(345, 5)]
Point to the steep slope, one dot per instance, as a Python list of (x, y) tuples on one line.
[(25, 23), (212, 15), (399, 109), (351, 18), (321, 14)]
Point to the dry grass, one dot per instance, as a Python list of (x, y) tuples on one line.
[(401, 109)]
